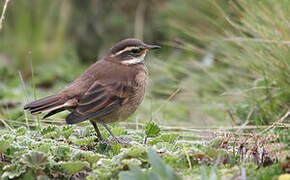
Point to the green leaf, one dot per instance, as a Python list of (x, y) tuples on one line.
[(104, 173), (135, 151), (12, 171), (118, 131), (74, 166), (92, 157), (135, 173), (105, 162), (116, 148), (166, 145), (62, 152), (21, 131), (90, 177), (44, 147), (4, 145), (50, 132), (159, 168), (84, 141), (67, 131), (152, 129), (170, 138), (34, 160), (131, 162), (51, 135), (49, 129)]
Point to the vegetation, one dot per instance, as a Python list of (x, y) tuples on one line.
[(70, 152), (223, 71)]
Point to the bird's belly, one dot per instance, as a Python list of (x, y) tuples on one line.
[(128, 108)]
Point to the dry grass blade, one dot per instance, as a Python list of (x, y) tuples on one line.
[(275, 124), (26, 99), (257, 40), (165, 103), (3, 13), (7, 125), (187, 156)]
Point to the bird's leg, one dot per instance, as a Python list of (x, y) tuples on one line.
[(111, 133), (97, 130)]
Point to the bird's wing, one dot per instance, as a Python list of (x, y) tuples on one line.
[(99, 100)]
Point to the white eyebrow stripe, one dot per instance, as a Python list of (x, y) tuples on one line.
[(126, 49)]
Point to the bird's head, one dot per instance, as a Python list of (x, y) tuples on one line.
[(130, 51)]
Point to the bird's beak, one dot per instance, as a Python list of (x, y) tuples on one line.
[(153, 47)]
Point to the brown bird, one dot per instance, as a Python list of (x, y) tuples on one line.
[(110, 90)]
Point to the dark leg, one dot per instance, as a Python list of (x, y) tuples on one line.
[(97, 130), (111, 133)]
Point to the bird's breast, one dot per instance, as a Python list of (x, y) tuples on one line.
[(136, 97), (141, 85)]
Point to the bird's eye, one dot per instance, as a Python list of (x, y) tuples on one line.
[(135, 51)]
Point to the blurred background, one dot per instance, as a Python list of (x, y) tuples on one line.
[(222, 62)]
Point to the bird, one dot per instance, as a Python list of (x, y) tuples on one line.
[(110, 90)]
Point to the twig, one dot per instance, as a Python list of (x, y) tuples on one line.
[(196, 128), (3, 121), (3, 13), (274, 125), (231, 117), (166, 102)]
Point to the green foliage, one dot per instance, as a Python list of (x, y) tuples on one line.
[(4, 145), (152, 129), (118, 131), (135, 151), (34, 160), (13, 171), (84, 141), (247, 45), (27, 154), (267, 173), (92, 157), (134, 174), (67, 131), (21, 131), (169, 138), (73, 166), (159, 170), (223, 56)]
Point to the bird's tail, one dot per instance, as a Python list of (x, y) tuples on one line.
[(50, 104)]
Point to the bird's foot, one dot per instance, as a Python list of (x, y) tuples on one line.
[(122, 140), (116, 140)]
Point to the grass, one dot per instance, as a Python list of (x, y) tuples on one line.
[(248, 44)]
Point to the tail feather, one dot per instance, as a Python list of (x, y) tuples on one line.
[(42, 101), (46, 107), (46, 104)]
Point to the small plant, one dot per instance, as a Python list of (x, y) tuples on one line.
[(159, 171), (151, 130)]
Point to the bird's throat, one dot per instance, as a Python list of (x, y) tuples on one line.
[(136, 60)]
